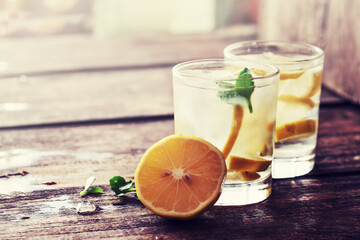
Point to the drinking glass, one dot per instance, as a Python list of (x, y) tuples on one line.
[(301, 68), (215, 101)]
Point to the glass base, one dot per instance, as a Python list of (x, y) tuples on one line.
[(245, 193), (292, 167)]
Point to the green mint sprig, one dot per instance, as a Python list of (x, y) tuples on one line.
[(120, 186), (241, 92), (88, 190)]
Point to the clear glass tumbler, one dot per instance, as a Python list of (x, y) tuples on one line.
[(301, 67), (231, 104)]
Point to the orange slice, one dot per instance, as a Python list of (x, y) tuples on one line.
[(244, 164), (271, 126), (291, 109), (290, 75), (307, 84), (258, 72), (290, 98), (295, 130), (242, 176), (238, 114), (317, 77), (267, 147), (249, 176), (180, 177)]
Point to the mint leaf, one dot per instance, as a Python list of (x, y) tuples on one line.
[(120, 186), (95, 190), (241, 92), (87, 189)]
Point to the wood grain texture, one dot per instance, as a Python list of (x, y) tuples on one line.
[(302, 208), (342, 49), (69, 155), (318, 206), (338, 140), (329, 97), (330, 24), (91, 96), (107, 106), (86, 96), (87, 53)]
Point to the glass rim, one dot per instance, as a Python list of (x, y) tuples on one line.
[(319, 52), (176, 69)]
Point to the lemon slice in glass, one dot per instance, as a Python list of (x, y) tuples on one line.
[(295, 130)]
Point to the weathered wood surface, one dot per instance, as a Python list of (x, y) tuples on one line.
[(69, 53), (69, 155), (84, 96), (338, 145), (330, 24), (302, 208), (100, 117)]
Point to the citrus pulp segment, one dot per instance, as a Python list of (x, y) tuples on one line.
[(296, 130), (180, 177), (290, 75), (307, 85), (250, 165), (291, 98), (290, 111), (258, 72), (317, 77), (238, 114), (243, 176)]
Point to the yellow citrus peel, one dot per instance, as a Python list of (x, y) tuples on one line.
[(295, 130), (180, 177)]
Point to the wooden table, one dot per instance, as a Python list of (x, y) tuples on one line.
[(76, 106)]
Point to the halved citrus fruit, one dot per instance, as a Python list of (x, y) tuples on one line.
[(296, 130), (180, 177)]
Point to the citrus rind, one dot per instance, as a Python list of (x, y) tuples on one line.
[(296, 130), (180, 179)]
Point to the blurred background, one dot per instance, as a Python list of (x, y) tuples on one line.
[(68, 66), (69, 60), (104, 18), (68, 40)]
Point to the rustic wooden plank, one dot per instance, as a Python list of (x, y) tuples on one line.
[(342, 25), (69, 155), (302, 208), (329, 97), (85, 52), (85, 96), (326, 23), (338, 140), (91, 96)]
